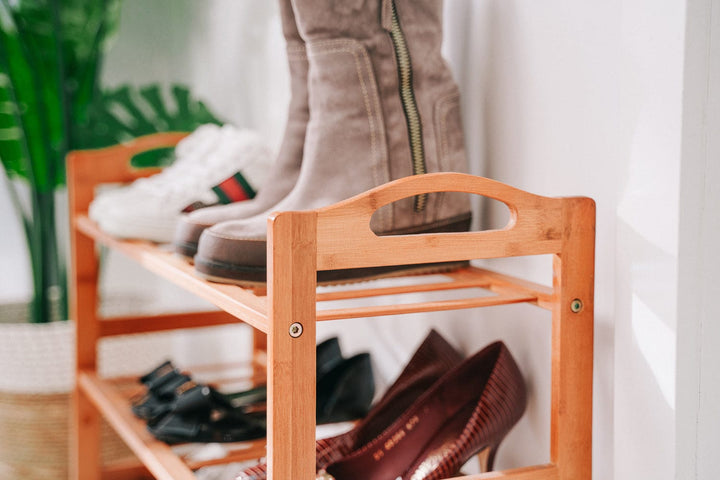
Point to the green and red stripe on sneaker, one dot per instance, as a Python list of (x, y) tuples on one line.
[(233, 189)]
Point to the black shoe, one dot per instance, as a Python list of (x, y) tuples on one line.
[(169, 390), (346, 391)]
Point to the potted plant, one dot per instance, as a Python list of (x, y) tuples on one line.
[(51, 54), (51, 103)]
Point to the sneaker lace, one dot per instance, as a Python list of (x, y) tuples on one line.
[(179, 179)]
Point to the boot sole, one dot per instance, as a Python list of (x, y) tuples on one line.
[(254, 276), (346, 277), (185, 250)]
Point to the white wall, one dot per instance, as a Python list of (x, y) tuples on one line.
[(15, 278), (560, 98), (646, 240), (551, 115), (698, 380)]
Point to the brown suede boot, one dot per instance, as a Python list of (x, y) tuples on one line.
[(383, 105), (286, 168)]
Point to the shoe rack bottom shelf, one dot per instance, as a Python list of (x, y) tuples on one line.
[(162, 462), (112, 399)]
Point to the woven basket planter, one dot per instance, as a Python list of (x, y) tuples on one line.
[(35, 440), (36, 377)]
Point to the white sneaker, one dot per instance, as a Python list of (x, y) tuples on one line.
[(213, 166), (193, 148)]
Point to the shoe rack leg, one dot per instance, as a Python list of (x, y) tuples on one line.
[(572, 344), (85, 444), (85, 459), (291, 346), (259, 361)]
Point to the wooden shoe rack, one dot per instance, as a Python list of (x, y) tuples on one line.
[(284, 314)]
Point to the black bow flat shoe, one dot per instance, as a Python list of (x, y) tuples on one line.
[(169, 390), (215, 427)]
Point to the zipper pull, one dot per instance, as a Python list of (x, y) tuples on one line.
[(386, 14)]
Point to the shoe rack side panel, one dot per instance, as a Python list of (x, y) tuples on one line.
[(572, 343), (291, 260)]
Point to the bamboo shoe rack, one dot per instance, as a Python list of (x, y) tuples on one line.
[(284, 313)]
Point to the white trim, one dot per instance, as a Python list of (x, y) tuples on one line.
[(698, 383)]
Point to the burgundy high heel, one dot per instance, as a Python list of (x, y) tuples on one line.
[(469, 410), (433, 358)]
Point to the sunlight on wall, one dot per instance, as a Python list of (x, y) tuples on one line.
[(657, 343)]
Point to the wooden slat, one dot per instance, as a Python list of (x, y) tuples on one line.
[(255, 450), (111, 326), (130, 469), (440, 305), (537, 472), (377, 292), (220, 374), (499, 282), (535, 226), (155, 455), (237, 301)]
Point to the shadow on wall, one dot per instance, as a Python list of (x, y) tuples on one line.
[(230, 52)]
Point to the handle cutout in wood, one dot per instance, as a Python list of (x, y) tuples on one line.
[(346, 240), (399, 217)]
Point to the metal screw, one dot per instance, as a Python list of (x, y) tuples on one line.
[(296, 330), (576, 305)]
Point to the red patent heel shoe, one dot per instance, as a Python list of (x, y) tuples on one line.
[(433, 358), (468, 411)]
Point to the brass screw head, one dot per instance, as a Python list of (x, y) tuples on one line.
[(296, 329), (576, 305)]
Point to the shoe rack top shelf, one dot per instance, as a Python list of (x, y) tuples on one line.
[(250, 304), (534, 228), (242, 303), (339, 237)]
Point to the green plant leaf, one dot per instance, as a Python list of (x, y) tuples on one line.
[(50, 53), (126, 112), (88, 27), (21, 118), (50, 103), (13, 153), (39, 36), (157, 157)]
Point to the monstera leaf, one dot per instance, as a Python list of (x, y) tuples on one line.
[(50, 53), (128, 112)]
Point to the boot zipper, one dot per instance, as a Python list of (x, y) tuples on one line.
[(407, 96)]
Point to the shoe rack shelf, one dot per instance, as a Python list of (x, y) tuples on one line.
[(300, 244)]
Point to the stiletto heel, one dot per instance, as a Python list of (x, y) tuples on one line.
[(486, 457), (484, 460)]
